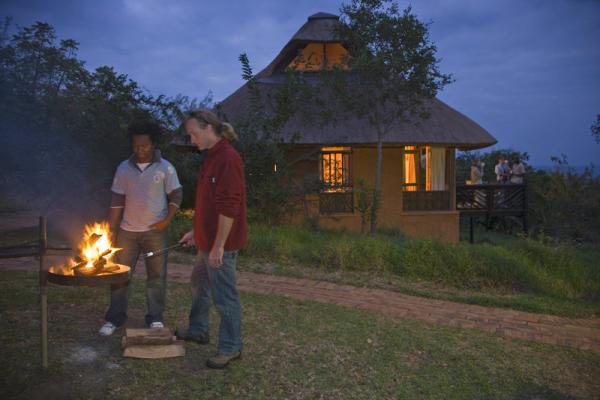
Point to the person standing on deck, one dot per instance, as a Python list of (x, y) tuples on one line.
[(517, 171), (220, 230), (501, 170), (476, 172), (146, 193)]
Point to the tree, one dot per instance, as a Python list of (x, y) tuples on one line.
[(392, 71), (364, 197), (596, 129), (62, 127), (267, 178), (490, 159)]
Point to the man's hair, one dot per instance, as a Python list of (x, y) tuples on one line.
[(152, 129), (206, 117)]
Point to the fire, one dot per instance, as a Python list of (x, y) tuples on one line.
[(95, 253), (96, 244)]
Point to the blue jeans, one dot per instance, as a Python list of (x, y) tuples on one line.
[(218, 283), (156, 270)]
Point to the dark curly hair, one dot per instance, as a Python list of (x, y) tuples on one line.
[(152, 129)]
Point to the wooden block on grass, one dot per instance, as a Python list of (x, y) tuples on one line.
[(129, 332), (151, 343), (147, 340), (176, 349)]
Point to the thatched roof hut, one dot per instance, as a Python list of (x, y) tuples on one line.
[(444, 127)]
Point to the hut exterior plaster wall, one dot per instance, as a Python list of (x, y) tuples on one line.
[(442, 225)]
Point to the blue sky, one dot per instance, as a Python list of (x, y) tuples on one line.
[(527, 71)]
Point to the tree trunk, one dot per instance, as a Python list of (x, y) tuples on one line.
[(377, 188)]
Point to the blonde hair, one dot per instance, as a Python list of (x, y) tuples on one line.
[(206, 117)]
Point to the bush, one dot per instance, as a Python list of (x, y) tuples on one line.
[(522, 265), (565, 204)]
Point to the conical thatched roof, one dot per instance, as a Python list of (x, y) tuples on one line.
[(445, 126)]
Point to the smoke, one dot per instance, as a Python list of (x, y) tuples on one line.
[(47, 173)]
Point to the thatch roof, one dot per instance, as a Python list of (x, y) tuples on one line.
[(445, 126)]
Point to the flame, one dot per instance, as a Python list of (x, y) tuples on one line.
[(91, 251), (96, 243)]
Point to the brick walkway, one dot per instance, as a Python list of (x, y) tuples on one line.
[(579, 333)]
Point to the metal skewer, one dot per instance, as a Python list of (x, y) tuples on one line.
[(158, 252)]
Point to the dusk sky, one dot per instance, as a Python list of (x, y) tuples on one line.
[(528, 71)]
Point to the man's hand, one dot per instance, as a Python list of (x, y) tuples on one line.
[(215, 257), (187, 239), (160, 226)]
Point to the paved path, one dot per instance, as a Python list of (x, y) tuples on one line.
[(579, 333)]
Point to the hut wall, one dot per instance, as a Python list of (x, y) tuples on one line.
[(391, 180), (442, 225)]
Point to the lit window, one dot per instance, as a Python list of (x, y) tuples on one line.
[(411, 169), (316, 56), (424, 168), (334, 168)]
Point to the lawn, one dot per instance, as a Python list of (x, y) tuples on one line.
[(293, 349), (537, 275)]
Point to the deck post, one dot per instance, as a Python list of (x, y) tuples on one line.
[(471, 229)]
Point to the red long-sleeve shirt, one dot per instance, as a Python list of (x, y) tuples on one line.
[(221, 190)]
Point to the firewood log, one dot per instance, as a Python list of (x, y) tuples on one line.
[(99, 265), (94, 237), (78, 265), (141, 332), (110, 268), (82, 270), (147, 340)]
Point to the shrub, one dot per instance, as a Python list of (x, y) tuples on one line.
[(522, 265)]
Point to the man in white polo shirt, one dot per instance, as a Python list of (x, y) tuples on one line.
[(146, 193)]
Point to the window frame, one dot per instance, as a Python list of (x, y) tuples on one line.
[(345, 154)]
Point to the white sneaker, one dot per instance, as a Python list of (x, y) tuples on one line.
[(107, 329), (156, 325)]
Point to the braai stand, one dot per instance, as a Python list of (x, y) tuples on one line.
[(121, 275)]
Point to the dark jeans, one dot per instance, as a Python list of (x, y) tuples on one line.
[(156, 270), (219, 284)]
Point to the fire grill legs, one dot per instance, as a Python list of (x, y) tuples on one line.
[(43, 292)]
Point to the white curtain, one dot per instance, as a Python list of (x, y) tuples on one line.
[(438, 168)]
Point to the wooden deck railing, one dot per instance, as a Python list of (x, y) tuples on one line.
[(492, 200)]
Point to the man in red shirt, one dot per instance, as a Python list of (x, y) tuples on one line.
[(220, 230)]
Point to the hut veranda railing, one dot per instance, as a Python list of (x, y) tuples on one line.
[(492, 200)]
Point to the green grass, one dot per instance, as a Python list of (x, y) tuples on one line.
[(293, 349), (542, 276), (503, 271)]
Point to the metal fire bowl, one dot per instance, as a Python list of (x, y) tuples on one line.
[(122, 275)]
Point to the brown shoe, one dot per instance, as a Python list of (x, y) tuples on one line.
[(220, 361), (201, 338)]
